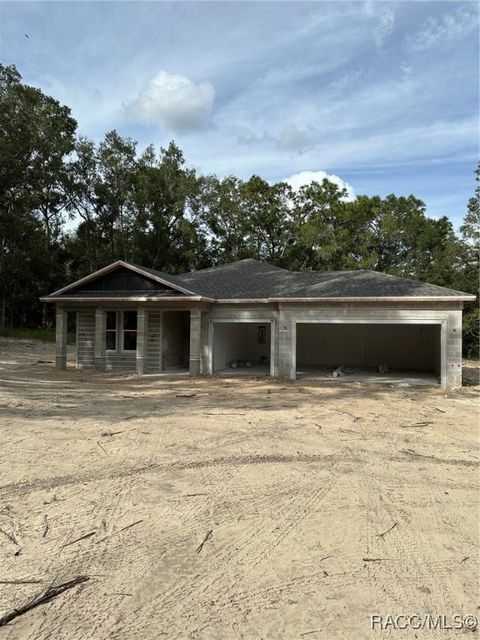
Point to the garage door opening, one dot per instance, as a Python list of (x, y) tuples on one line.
[(370, 352), (242, 348)]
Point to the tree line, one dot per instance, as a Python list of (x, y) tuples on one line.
[(69, 205)]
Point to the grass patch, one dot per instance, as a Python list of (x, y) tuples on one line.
[(47, 335)]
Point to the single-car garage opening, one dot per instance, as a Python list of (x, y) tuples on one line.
[(241, 348), (370, 352)]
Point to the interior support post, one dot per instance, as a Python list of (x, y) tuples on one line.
[(61, 339)]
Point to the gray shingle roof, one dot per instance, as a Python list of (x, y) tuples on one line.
[(252, 279)]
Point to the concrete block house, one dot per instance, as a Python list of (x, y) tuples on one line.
[(252, 317)]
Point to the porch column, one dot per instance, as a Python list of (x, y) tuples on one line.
[(100, 337), (61, 339), (286, 346), (195, 341), (142, 319)]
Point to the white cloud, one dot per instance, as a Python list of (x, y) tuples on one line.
[(386, 22), (306, 177), (448, 27), (384, 17), (174, 102), (292, 138)]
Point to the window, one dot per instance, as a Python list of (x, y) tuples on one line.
[(129, 330), (111, 334)]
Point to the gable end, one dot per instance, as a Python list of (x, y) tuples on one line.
[(121, 281)]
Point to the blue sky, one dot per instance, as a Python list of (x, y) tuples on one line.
[(383, 95)]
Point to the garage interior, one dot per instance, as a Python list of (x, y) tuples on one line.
[(410, 352), (175, 341), (241, 348)]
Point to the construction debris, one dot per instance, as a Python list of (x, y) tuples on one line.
[(10, 536), (20, 581), (47, 596), (374, 559), (416, 424), (87, 535), (208, 537), (129, 526), (45, 526), (382, 535)]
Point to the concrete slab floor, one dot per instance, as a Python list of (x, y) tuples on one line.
[(371, 376), (170, 371), (255, 370)]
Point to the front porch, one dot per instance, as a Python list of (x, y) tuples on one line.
[(135, 339)]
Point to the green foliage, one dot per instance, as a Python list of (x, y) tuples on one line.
[(36, 135), (47, 335), (150, 208)]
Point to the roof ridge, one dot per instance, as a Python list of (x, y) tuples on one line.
[(231, 264)]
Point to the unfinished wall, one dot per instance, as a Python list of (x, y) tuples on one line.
[(153, 338), (400, 346), (239, 341), (86, 339), (121, 361), (453, 349)]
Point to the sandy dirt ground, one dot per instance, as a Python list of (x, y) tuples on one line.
[(318, 505)]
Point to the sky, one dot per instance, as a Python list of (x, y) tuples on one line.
[(382, 96)]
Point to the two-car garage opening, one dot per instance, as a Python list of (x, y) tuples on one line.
[(392, 352), (375, 352)]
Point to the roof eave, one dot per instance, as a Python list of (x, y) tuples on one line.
[(465, 298), (110, 299)]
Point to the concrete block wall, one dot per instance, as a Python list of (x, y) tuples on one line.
[(195, 341), (100, 328), (91, 333), (125, 362), (454, 349), (153, 342), (86, 339)]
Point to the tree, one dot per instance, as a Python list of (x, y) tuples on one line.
[(470, 229), (36, 135), (324, 228), (223, 217), (167, 201), (268, 218), (468, 275)]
